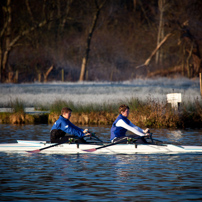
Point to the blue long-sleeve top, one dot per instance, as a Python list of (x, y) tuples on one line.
[(68, 127)]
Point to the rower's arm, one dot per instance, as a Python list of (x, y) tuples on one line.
[(121, 123), (136, 127)]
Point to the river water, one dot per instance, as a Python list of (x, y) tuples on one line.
[(90, 177)]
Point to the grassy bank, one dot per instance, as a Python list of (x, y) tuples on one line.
[(149, 113)]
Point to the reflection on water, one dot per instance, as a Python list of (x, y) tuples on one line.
[(90, 177)]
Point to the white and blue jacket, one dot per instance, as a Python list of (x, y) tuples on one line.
[(121, 125), (68, 127)]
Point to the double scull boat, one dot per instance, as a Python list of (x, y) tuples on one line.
[(23, 146)]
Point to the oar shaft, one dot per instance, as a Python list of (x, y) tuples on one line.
[(54, 145), (108, 145), (93, 134), (51, 146), (157, 140)]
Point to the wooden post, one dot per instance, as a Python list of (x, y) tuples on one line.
[(39, 77), (200, 77), (16, 76), (62, 75)]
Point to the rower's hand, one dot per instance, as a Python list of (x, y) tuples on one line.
[(88, 134), (85, 130), (147, 130)]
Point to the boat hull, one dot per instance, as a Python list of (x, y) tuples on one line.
[(23, 146)]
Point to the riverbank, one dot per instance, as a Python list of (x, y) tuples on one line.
[(149, 113), (150, 117), (92, 118)]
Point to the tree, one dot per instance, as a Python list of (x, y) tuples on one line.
[(5, 34), (88, 42), (191, 58), (162, 5), (13, 32), (8, 40)]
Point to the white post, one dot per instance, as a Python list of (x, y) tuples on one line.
[(174, 99)]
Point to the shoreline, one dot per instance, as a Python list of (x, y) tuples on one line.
[(172, 120)]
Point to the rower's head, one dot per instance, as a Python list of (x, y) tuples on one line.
[(66, 112), (124, 110)]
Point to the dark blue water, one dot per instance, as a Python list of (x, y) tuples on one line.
[(90, 177)]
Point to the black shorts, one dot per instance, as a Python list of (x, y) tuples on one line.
[(58, 136)]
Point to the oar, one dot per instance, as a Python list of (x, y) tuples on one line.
[(38, 150), (107, 145), (157, 140), (93, 134), (154, 139)]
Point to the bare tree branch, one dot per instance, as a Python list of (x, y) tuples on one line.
[(155, 50), (29, 10)]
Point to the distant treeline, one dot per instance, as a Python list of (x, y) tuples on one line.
[(71, 40)]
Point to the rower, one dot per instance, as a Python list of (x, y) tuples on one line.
[(63, 129), (122, 124)]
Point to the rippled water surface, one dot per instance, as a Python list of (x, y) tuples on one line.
[(90, 177)]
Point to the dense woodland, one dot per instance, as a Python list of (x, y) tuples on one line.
[(97, 40)]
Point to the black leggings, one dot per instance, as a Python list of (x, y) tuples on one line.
[(58, 136), (139, 139)]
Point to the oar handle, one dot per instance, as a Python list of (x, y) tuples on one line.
[(152, 139), (93, 134)]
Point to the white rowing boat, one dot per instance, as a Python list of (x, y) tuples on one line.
[(23, 146)]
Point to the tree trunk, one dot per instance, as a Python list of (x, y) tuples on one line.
[(10, 44), (191, 59), (39, 77), (29, 10), (144, 12), (7, 33), (159, 53), (45, 75), (83, 69), (1, 48), (7, 42), (88, 42), (64, 19)]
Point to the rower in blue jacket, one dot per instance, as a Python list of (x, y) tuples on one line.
[(63, 129), (122, 124)]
